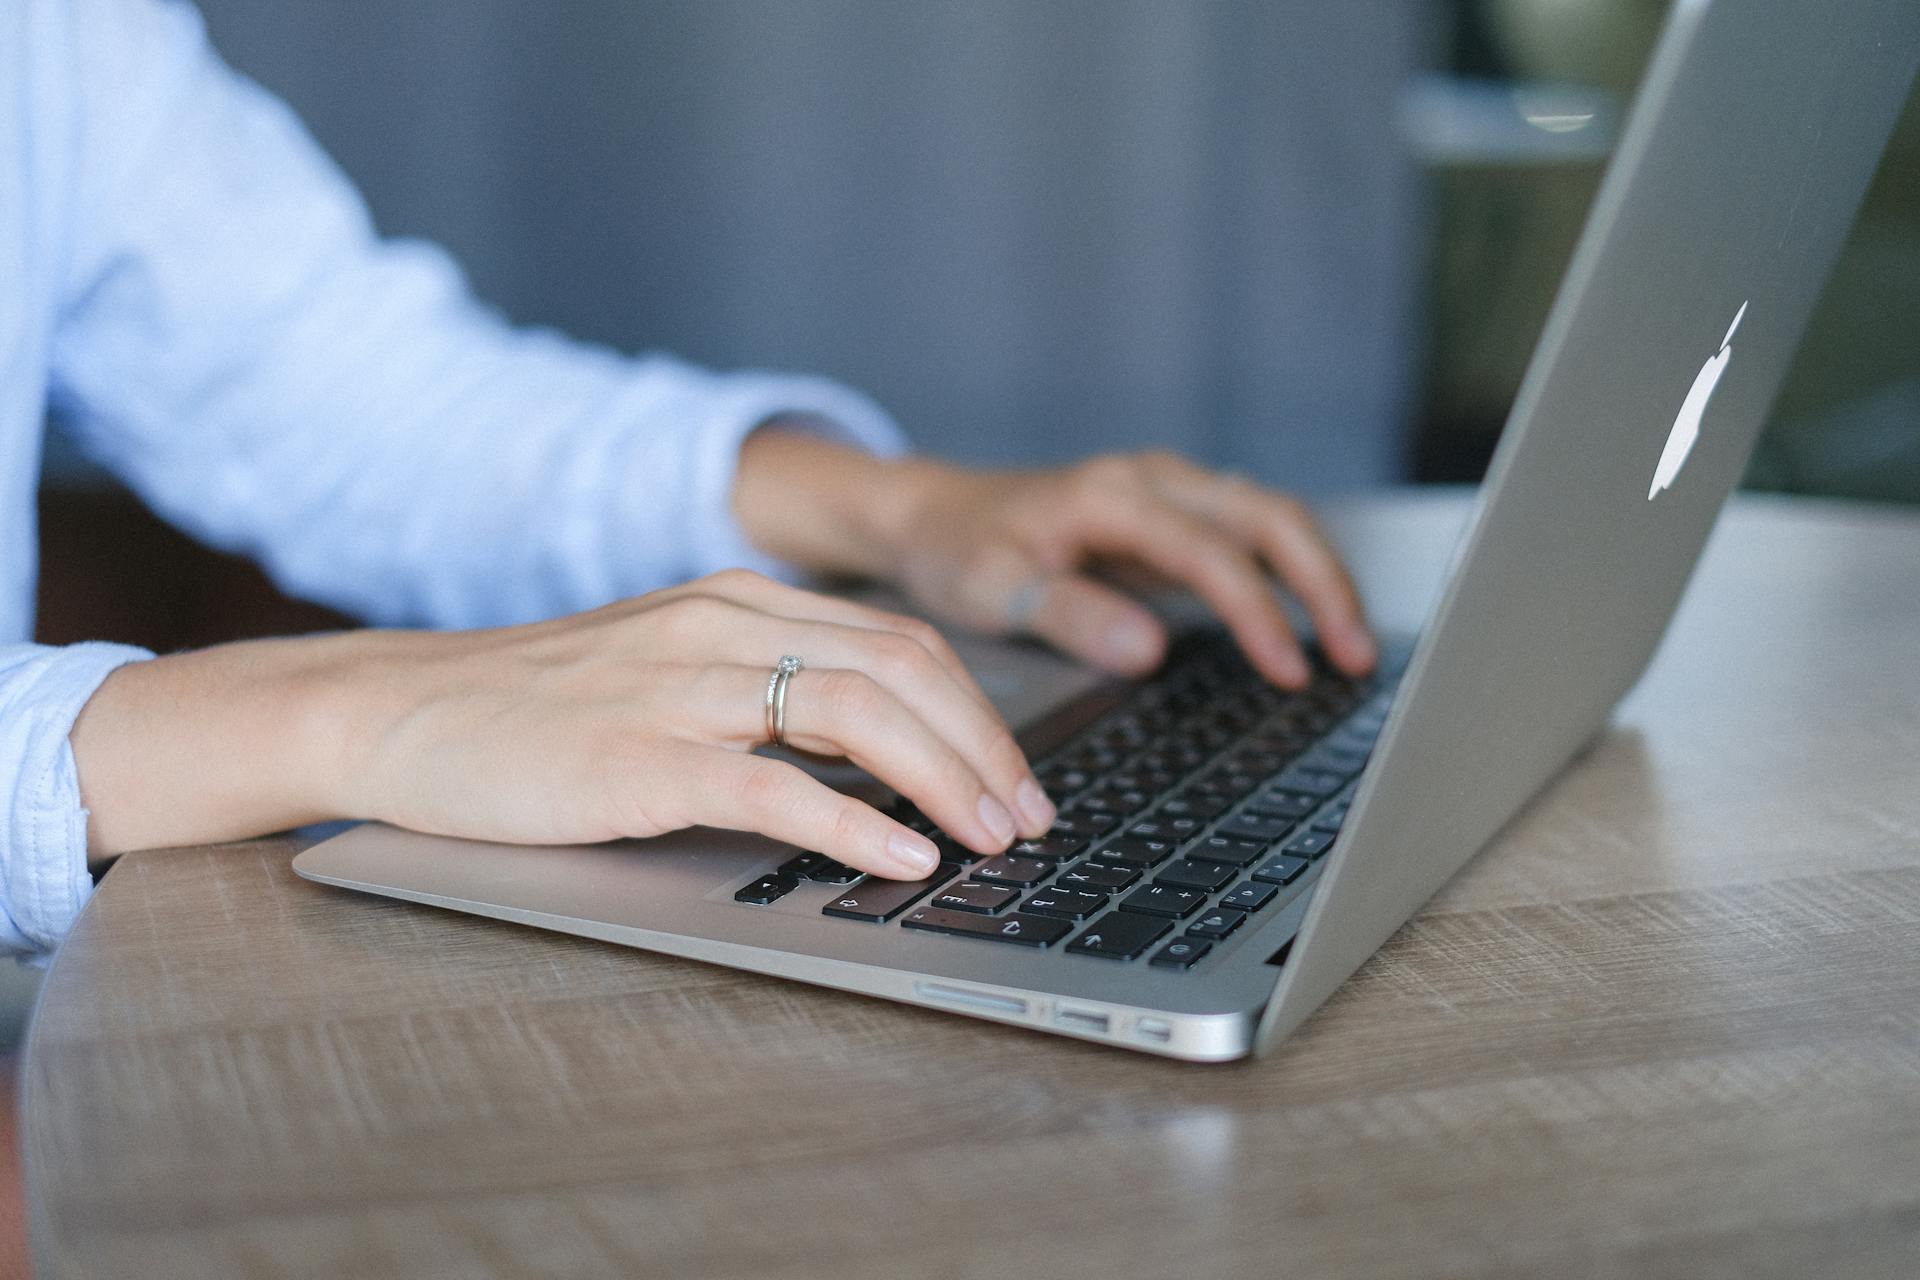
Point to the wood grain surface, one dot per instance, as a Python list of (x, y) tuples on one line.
[(1667, 1025)]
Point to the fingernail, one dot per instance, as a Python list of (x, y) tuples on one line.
[(1034, 805), (1132, 645), (913, 851), (995, 818)]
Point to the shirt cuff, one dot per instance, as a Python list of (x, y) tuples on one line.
[(43, 844), (746, 402)]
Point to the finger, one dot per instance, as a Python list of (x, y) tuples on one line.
[(751, 793), (772, 596), (849, 713), (1096, 624), (905, 668), (842, 712), (1223, 573), (1291, 541)]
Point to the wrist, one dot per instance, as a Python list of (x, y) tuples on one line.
[(213, 745), (827, 507), (355, 698)]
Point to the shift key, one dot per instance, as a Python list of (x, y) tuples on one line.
[(878, 901), (1026, 931)]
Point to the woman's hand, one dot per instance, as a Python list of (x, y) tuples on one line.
[(631, 720), (1008, 552)]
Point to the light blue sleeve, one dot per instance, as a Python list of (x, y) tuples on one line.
[(238, 344), (43, 845)]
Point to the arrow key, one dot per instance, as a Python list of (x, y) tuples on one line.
[(1119, 935)]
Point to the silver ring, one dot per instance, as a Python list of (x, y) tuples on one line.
[(783, 671)]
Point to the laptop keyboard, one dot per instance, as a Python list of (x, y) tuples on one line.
[(1203, 798)]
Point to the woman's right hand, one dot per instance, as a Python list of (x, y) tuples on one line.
[(640, 718)]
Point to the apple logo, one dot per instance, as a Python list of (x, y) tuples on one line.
[(1686, 425)]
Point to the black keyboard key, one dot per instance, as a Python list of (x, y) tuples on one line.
[(1134, 852), (1157, 829), (794, 868), (906, 814), (1119, 936), (1258, 763), (1164, 900), (1178, 827), (877, 900), (1309, 844), (1195, 804), (1332, 820), (1217, 923), (1087, 825), (970, 896), (1252, 826), (1250, 896), (1049, 848), (1313, 782), (1151, 781), (1353, 740), (1025, 931), (952, 850), (1334, 759), (1181, 953), (1229, 783), (831, 872), (1276, 802), (1097, 878), (1192, 873), (1282, 870), (1068, 904), (764, 890), (1227, 849), (1114, 801), (1007, 869), (1058, 780)]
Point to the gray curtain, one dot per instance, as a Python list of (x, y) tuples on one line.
[(1032, 228)]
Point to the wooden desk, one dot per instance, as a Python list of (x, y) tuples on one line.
[(1668, 1025)]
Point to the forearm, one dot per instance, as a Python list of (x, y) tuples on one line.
[(227, 742)]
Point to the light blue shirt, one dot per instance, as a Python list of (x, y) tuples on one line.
[(200, 293)]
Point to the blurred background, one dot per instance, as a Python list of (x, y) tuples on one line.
[(1311, 241)]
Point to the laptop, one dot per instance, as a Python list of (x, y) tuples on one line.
[(1227, 853)]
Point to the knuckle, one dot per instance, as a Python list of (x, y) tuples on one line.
[(694, 615), (845, 826), (1289, 509), (1103, 473), (733, 579), (899, 654), (886, 655), (849, 697), (635, 810), (766, 790), (924, 634)]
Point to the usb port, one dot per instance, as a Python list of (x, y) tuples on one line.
[(1155, 1030), (1083, 1020)]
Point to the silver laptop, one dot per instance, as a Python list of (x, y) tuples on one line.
[(1228, 855)]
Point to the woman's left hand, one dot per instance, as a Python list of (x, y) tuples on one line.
[(1029, 551)]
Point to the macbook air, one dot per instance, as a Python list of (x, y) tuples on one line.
[(1227, 853)]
